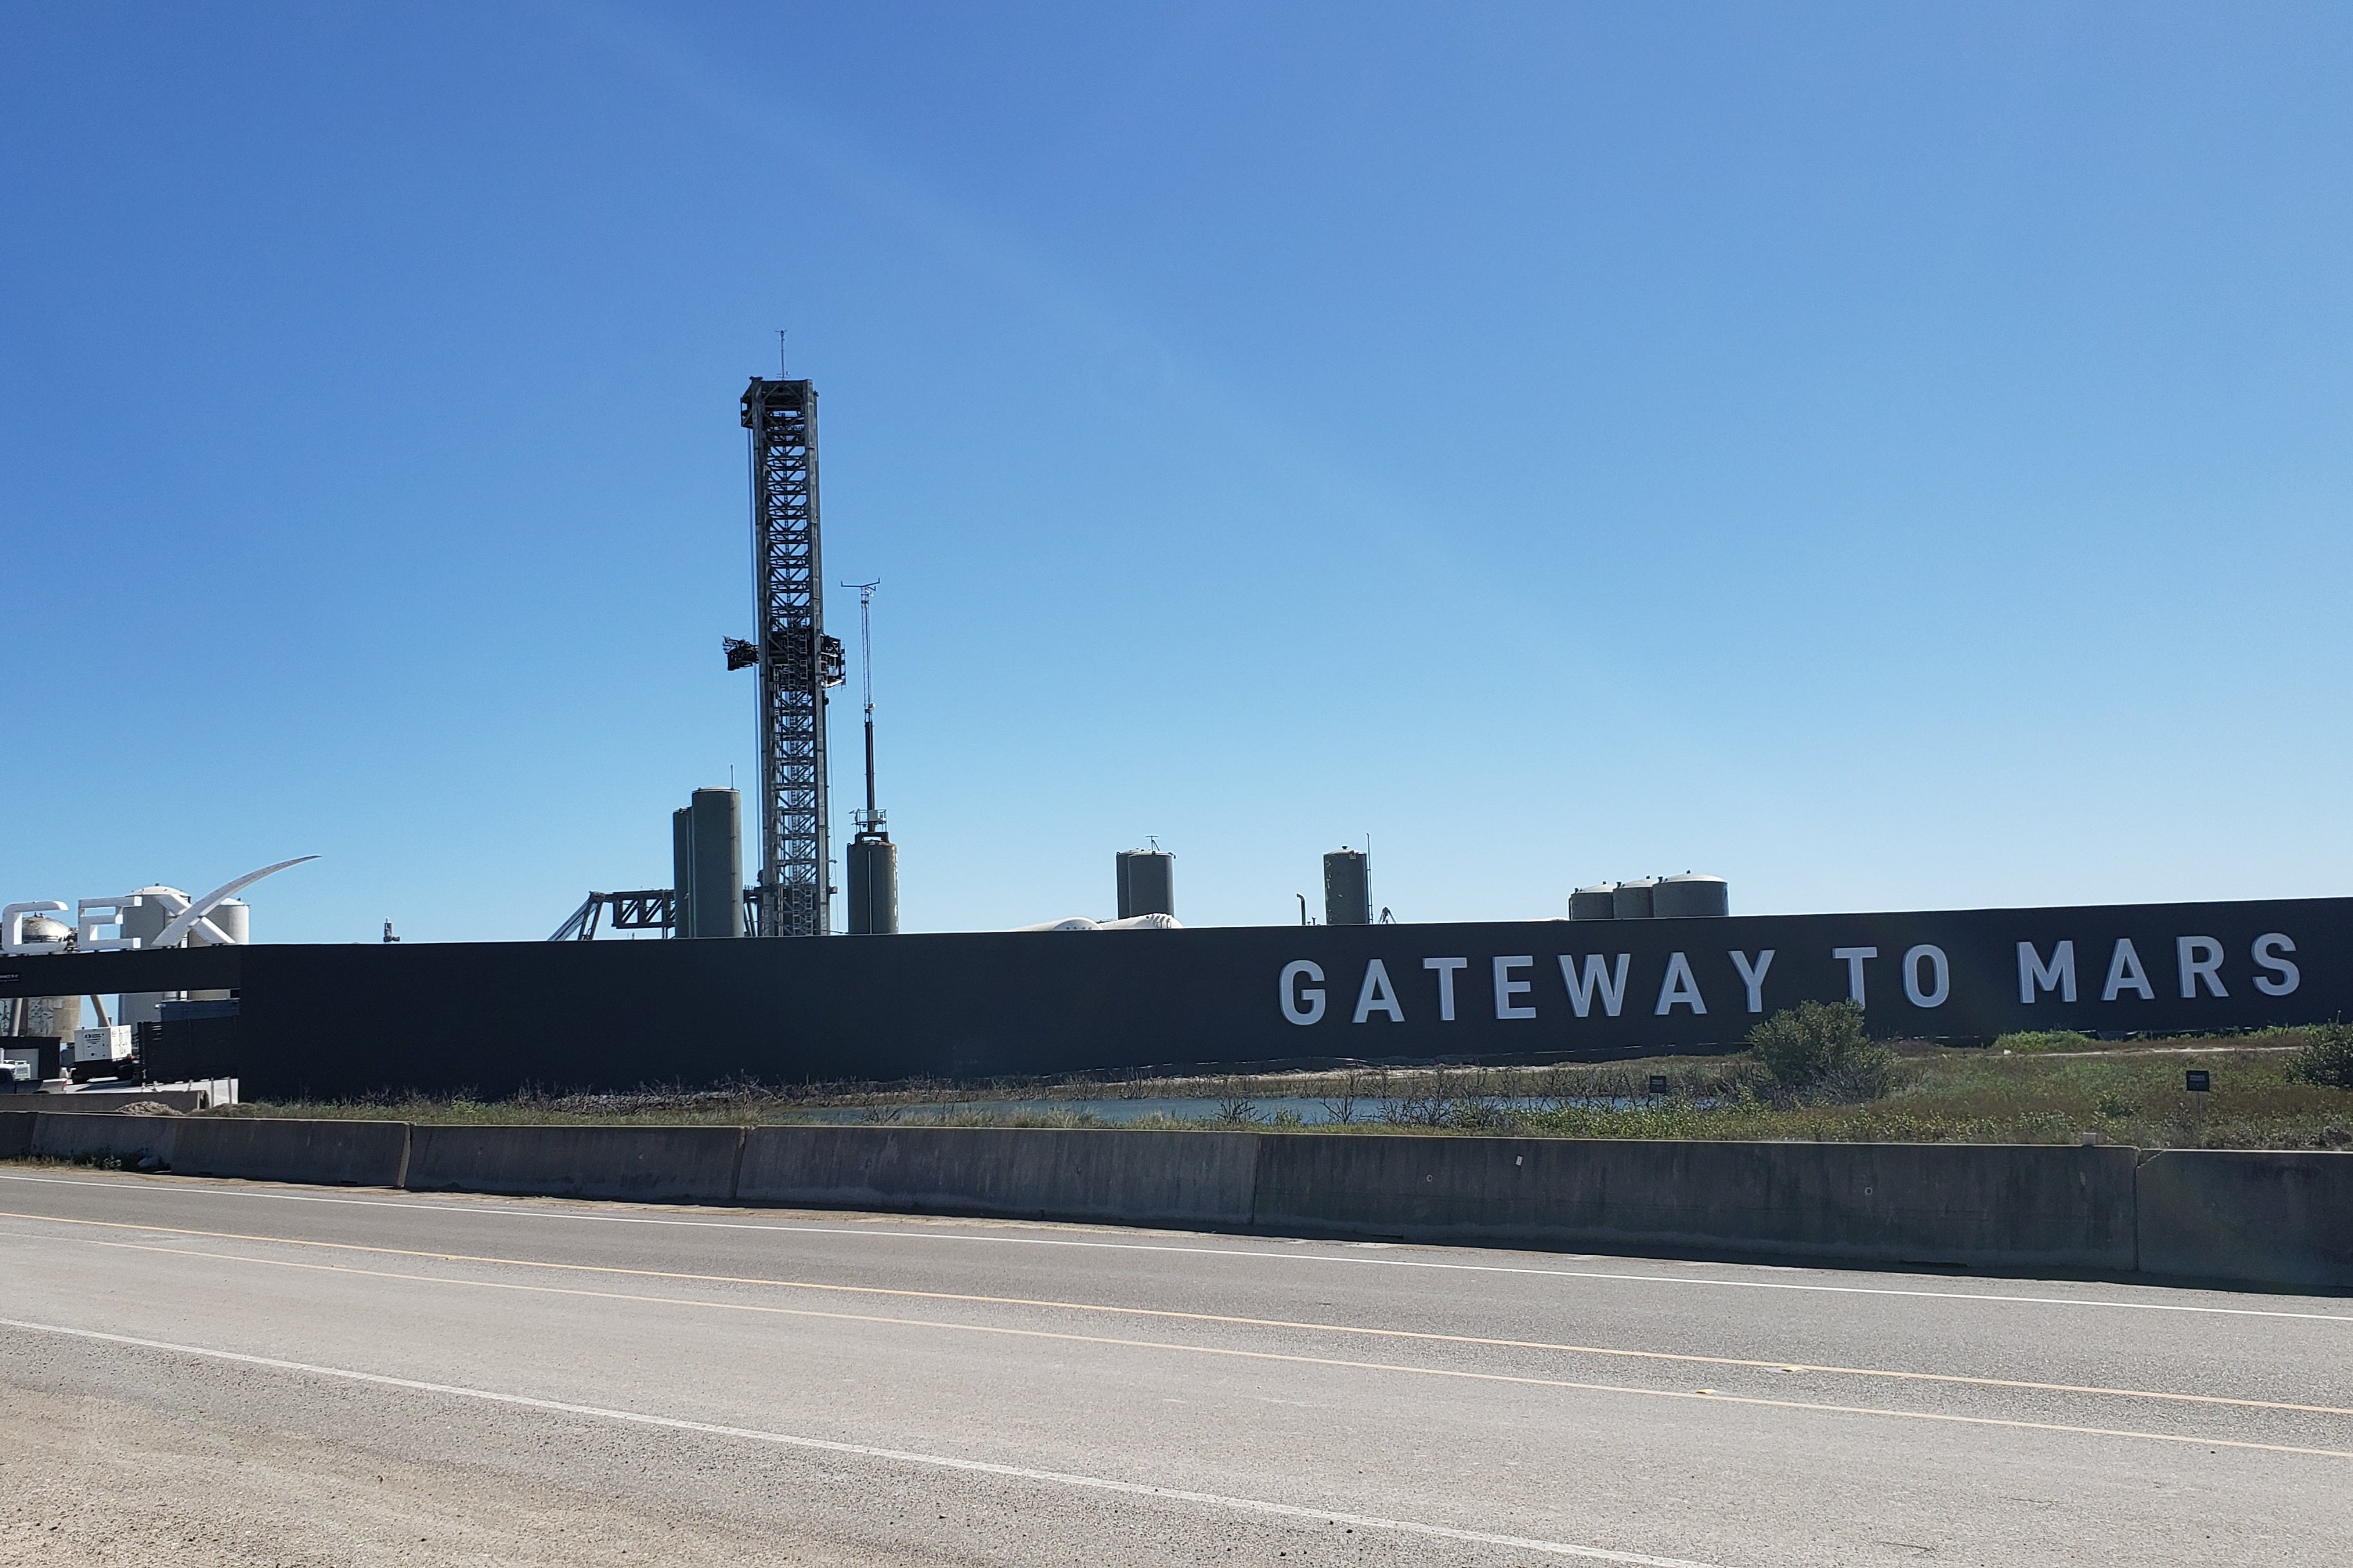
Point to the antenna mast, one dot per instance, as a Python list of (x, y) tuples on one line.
[(873, 859), (871, 817)]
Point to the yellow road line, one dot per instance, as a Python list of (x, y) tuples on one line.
[(1409, 1334), (1048, 1334)]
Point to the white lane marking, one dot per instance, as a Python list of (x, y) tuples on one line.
[(866, 1451), (495, 1208), (1339, 1363)]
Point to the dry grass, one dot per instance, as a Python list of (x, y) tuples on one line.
[(2043, 1088)]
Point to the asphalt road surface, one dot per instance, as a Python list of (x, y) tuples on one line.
[(198, 1373)]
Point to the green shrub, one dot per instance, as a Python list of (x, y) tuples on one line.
[(2043, 1040), (1819, 1050), (2327, 1058)]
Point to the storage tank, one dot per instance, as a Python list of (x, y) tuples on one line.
[(1143, 922), (1147, 882), (682, 871), (874, 875), (234, 918), (146, 920), (1631, 901), (706, 848), (49, 1018), (1075, 922), (1677, 897), (1597, 903), (52, 1017), (1347, 888)]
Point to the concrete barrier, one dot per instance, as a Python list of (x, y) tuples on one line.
[(356, 1153), (654, 1164), (2259, 1217), (2244, 1216), (1033, 1173), (2004, 1208), (76, 1135), (203, 1095)]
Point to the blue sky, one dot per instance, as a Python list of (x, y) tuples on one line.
[(1890, 456)]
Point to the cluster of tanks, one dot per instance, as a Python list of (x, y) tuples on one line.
[(1652, 898), (1147, 896), (49, 1037)]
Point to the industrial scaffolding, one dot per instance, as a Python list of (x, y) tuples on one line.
[(796, 661)]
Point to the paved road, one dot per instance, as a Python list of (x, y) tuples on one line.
[(200, 1373)]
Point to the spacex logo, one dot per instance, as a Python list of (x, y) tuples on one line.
[(184, 919)]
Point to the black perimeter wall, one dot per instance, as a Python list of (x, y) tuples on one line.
[(492, 1017)]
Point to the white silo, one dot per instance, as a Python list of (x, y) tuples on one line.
[(234, 918), (145, 920)]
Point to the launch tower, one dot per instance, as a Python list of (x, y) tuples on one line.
[(796, 660)]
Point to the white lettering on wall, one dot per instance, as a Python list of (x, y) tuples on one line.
[(2201, 959), (2268, 947), (1611, 985), (1506, 987), (2125, 973), (1377, 995), (1753, 976), (1302, 1003), (1679, 986), (1854, 957), (1445, 968), (1933, 994), (2058, 974)]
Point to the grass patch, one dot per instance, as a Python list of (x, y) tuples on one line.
[(2053, 1089), (2039, 1040)]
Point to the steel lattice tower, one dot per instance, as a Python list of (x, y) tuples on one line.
[(796, 660)]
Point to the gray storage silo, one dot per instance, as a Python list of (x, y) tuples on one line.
[(682, 871), (1631, 901), (1147, 882), (873, 886), (1678, 897), (1598, 902), (706, 841), (1347, 888)]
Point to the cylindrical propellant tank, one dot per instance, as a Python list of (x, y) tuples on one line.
[(1597, 903), (1631, 901), (1676, 897)]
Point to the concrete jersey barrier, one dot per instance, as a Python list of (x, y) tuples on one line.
[(652, 1164), (2260, 1216), (2246, 1217), (76, 1135), (1992, 1207), (329, 1154), (1172, 1178)]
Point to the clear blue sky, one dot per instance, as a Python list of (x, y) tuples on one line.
[(1890, 456)]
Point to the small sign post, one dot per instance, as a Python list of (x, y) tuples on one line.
[(1658, 1083), (2199, 1083)]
